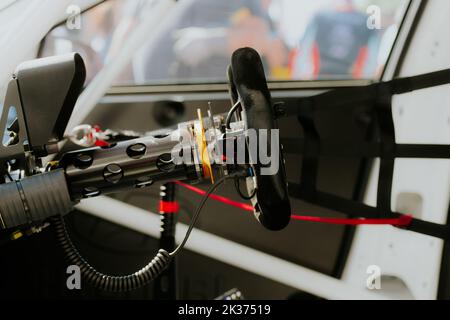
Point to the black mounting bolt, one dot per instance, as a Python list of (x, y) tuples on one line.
[(112, 173), (136, 151), (279, 109), (165, 162), (144, 182), (90, 192), (83, 161)]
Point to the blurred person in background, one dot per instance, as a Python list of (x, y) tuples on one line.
[(298, 39), (337, 44), (199, 41)]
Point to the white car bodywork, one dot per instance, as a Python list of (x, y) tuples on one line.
[(409, 262)]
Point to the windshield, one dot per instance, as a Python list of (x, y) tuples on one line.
[(298, 39)]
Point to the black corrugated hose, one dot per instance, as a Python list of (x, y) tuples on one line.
[(107, 282), (141, 277)]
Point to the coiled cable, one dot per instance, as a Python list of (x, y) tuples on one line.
[(107, 282), (141, 277)]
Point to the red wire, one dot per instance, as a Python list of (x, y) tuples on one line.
[(227, 201), (402, 221)]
